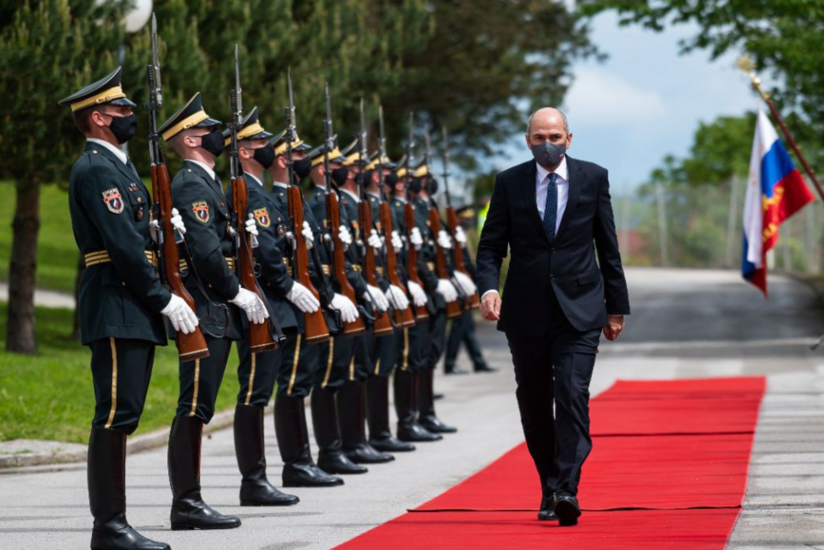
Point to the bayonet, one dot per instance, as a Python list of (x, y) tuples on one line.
[(329, 141), (446, 167), (291, 127), (157, 93)]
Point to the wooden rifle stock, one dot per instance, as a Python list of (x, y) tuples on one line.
[(190, 346), (260, 336), (453, 309), (314, 324), (457, 255), (412, 312), (382, 323), (356, 327), (412, 254)]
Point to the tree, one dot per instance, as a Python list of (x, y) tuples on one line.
[(44, 45)]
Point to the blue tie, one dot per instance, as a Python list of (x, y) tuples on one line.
[(551, 206)]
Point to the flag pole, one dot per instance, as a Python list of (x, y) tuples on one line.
[(746, 65)]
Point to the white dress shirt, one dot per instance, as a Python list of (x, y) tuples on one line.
[(254, 178), (280, 184), (117, 152), (208, 170), (351, 194), (562, 183)]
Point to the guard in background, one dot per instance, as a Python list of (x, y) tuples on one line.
[(210, 278), (300, 362), (257, 372), (462, 329), (120, 301)]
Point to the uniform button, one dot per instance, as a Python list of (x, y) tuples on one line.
[(139, 199)]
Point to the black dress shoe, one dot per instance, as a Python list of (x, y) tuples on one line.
[(567, 509), (367, 454), (414, 432), (547, 510), (391, 444), (437, 396), (336, 462), (117, 534), (455, 370), (434, 424), (308, 475), (190, 514), (483, 367), (263, 493)]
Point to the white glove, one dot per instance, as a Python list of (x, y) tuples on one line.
[(397, 243), (460, 236), (418, 295), (303, 298), (443, 240), (375, 241), (308, 235), (177, 223), (251, 229), (348, 311), (377, 296), (344, 235), (180, 314), (467, 285), (447, 290), (253, 306), (415, 237), (397, 298)]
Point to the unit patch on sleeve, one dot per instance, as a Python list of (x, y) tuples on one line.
[(113, 200), (262, 217), (201, 210)]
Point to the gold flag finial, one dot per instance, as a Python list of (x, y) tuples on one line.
[(747, 65)]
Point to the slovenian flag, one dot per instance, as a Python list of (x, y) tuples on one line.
[(775, 191)]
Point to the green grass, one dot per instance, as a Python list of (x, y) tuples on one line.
[(56, 250), (50, 396)]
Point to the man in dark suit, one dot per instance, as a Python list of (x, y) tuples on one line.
[(548, 213)]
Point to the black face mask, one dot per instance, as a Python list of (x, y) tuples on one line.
[(213, 142), (123, 127), (415, 185), (367, 178), (339, 175), (391, 180), (549, 154), (432, 186), (265, 156), (302, 168)]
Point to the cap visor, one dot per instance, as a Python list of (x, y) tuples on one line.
[(123, 102), (207, 123)]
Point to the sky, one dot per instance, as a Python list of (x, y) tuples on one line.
[(644, 102)]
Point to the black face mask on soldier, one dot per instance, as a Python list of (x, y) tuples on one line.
[(391, 180), (265, 156), (302, 168), (123, 127), (339, 175), (213, 142), (432, 186), (415, 185)]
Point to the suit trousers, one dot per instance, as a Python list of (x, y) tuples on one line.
[(121, 370), (462, 331), (200, 380), (555, 369)]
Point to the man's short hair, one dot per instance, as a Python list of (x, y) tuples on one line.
[(563, 117), (83, 118)]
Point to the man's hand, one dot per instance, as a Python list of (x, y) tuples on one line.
[(615, 324), (491, 306)]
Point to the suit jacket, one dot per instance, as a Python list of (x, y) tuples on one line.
[(566, 268), (109, 207)]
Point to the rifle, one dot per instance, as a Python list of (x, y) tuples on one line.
[(190, 346), (383, 323), (472, 302), (453, 309), (314, 324), (260, 335), (409, 219), (357, 326)]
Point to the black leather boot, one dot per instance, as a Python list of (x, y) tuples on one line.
[(107, 495), (188, 509), (406, 407), (293, 441), (426, 405), (331, 457), (255, 489), (352, 410), (377, 414)]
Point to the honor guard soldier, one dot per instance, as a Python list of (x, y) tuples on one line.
[(300, 362), (462, 330), (208, 268), (120, 300), (352, 397), (337, 355), (257, 372)]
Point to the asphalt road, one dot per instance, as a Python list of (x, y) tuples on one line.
[(684, 324)]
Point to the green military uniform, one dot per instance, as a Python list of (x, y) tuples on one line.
[(207, 268), (120, 300)]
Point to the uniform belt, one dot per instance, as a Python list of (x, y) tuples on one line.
[(102, 257), (184, 266), (379, 270), (327, 269), (431, 266), (288, 266)]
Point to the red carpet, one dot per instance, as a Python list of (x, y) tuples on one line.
[(668, 470)]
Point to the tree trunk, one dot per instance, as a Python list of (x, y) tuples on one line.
[(23, 266), (81, 265)]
